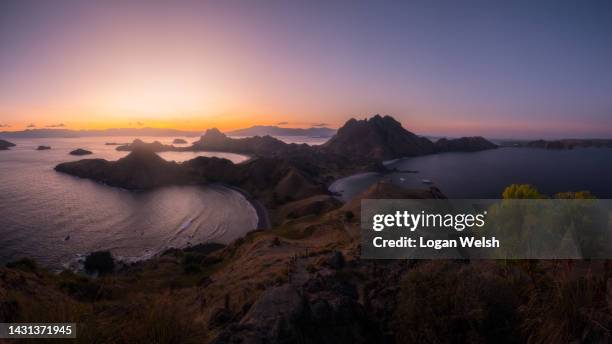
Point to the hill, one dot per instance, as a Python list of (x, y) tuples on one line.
[(141, 169)]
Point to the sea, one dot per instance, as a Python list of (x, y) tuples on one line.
[(485, 174), (57, 219)]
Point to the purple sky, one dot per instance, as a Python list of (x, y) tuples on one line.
[(493, 68)]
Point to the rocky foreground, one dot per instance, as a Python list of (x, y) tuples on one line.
[(303, 281)]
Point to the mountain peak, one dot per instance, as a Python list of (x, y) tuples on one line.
[(378, 138), (213, 134)]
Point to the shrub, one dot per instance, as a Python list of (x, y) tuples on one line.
[(521, 191), (100, 261), (444, 302), (349, 216)]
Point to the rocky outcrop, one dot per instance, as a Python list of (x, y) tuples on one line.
[(179, 142), (4, 145), (43, 148), (464, 144), (316, 313), (80, 151), (377, 138)]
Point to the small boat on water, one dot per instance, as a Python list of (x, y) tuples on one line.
[(426, 181)]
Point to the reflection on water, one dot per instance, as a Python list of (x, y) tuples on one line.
[(485, 174), (54, 217)]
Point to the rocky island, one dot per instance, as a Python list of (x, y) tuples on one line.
[(43, 148), (80, 151), (179, 142), (464, 144), (272, 180), (154, 146), (4, 145)]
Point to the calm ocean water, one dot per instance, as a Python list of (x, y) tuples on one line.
[(56, 218), (485, 174)]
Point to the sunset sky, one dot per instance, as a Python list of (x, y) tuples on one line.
[(492, 68)]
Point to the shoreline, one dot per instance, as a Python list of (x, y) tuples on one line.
[(263, 219)]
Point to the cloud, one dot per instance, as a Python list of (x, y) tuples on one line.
[(31, 125), (319, 124), (4, 126), (282, 123), (140, 124), (59, 125)]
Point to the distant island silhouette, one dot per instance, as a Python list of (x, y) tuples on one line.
[(4, 145), (273, 130)]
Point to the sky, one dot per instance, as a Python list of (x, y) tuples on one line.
[(500, 69)]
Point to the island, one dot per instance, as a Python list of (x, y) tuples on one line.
[(43, 148), (569, 143), (154, 146), (179, 142), (5, 145), (80, 151), (464, 144)]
